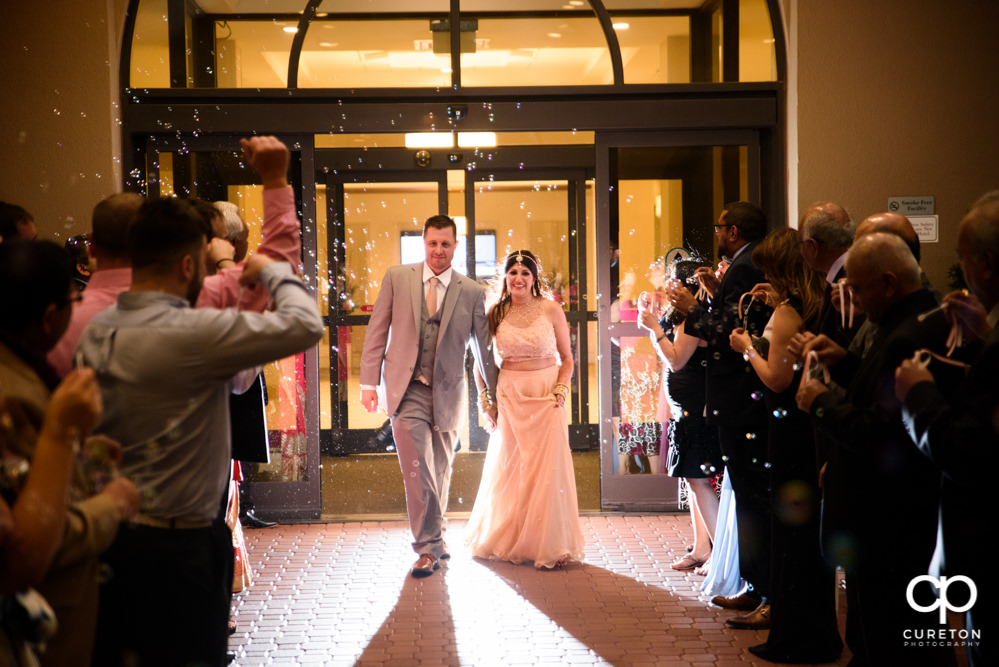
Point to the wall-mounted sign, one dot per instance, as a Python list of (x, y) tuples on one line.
[(927, 227), (910, 206)]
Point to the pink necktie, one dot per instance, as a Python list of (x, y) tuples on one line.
[(432, 296)]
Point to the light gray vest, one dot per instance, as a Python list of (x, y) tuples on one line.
[(430, 327)]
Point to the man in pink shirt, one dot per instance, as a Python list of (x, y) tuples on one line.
[(111, 221), (113, 216), (281, 230)]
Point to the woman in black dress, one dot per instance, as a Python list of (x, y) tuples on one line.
[(694, 453), (802, 603)]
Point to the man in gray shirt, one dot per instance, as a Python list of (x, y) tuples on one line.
[(164, 370)]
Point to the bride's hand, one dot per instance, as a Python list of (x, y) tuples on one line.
[(492, 414)]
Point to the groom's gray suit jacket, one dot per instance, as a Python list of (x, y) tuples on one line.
[(392, 342)]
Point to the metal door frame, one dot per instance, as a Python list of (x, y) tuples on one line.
[(643, 492)]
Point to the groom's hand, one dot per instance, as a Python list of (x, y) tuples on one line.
[(369, 399)]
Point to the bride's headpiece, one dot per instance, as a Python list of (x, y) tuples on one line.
[(520, 258)]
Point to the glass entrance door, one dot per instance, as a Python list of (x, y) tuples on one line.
[(664, 192), (286, 487), (372, 213)]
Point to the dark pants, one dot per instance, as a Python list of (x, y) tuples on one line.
[(166, 601), (750, 483)]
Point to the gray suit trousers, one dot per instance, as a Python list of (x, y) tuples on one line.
[(425, 454)]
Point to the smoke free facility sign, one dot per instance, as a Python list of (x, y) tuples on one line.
[(921, 212)]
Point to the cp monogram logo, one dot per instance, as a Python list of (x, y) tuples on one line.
[(942, 584)]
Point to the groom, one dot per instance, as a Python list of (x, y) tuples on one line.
[(414, 352)]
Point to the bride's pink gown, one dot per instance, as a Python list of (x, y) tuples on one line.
[(526, 508)]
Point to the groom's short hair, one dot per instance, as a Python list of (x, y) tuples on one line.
[(440, 222)]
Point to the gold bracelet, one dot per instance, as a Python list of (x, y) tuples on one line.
[(485, 400), (562, 389)]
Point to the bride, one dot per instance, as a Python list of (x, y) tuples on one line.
[(526, 508)]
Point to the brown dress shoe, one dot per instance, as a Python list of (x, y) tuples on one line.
[(748, 601), (758, 619), (425, 566)]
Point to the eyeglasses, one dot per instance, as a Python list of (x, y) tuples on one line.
[(719, 227)]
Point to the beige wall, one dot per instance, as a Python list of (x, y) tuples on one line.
[(896, 98), (59, 151)]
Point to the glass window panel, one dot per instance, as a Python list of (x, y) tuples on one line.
[(166, 174), (150, 58), (757, 53), (333, 7), (372, 54), (638, 397), (655, 49), (351, 343), (538, 52), (593, 386), (531, 215), (654, 220), (326, 277), (285, 380), (621, 5), (252, 54), (376, 215)]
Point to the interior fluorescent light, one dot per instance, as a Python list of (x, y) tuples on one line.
[(429, 140), (290, 29), (620, 26), (476, 139)]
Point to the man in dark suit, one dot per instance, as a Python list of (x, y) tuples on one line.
[(735, 398), (413, 365), (826, 231), (960, 435), (880, 496)]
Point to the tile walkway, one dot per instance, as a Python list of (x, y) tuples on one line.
[(341, 594)]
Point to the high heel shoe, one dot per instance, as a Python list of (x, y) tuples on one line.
[(689, 562)]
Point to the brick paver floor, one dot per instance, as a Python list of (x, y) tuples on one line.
[(341, 594)]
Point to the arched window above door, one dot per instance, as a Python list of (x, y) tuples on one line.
[(399, 44)]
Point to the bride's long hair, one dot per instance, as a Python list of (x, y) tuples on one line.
[(539, 288)]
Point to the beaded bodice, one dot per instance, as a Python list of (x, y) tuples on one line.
[(525, 333)]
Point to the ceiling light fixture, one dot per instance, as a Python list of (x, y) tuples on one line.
[(476, 139), (290, 29), (429, 140)]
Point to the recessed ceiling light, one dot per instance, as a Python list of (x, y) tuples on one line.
[(620, 26), (327, 45), (429, 140), (554, 35), (576, 3), (290, 29)]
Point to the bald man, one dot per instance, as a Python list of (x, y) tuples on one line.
[(880, 496), (900, 226)]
